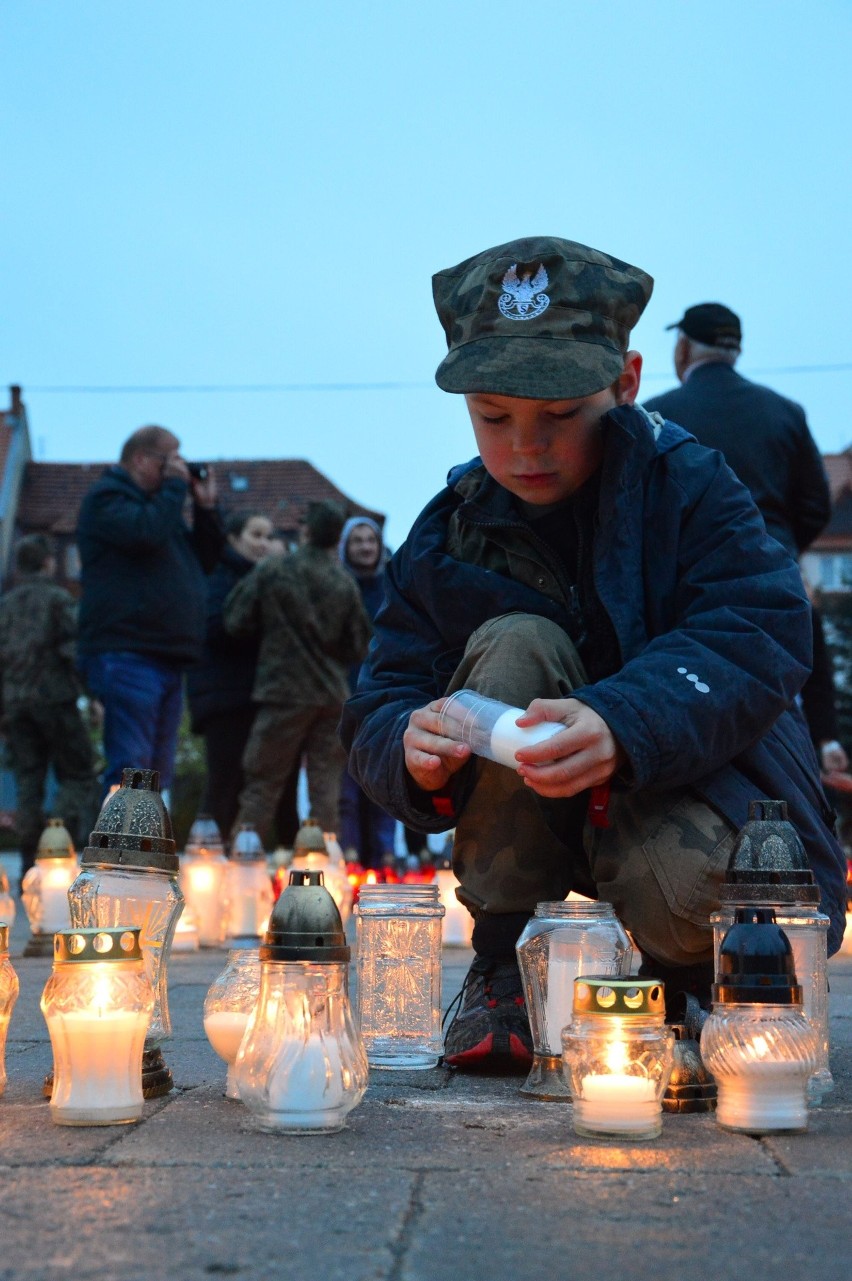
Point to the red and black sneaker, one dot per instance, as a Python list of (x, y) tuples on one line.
[(490, 1031)]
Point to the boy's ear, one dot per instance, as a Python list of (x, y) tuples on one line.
[(627, 384)]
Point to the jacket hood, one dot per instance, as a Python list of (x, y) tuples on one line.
[(351, 524)]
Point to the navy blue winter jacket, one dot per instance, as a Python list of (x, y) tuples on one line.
[(693, 587), (143, 569)]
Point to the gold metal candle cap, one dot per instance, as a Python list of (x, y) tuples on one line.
[(4, 937), (624, 997), (97, 945), (55, 841)]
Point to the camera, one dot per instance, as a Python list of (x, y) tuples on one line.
[(198, 471)]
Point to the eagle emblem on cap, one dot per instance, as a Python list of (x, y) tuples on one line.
[(525, 298)]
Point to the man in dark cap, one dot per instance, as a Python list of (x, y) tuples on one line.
[(598, 568), (767, 444), (307, 614), (764, 436)]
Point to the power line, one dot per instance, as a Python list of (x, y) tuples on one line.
[(276, 388)]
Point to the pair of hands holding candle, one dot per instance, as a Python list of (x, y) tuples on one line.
[(582, 755)]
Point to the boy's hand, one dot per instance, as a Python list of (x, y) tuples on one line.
[(584, 755), (430, 759)]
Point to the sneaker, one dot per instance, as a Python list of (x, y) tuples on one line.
[(490, 1031)]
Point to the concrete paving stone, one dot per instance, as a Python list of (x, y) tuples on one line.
[(628, 1227), (825, 1149), (123, 1224)]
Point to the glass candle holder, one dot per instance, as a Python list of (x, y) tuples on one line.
[(129, 878), (769, 869), (44, 889), (757, 1042), (8, 908), (8, 997), (301, 1066), (489, 726), (618, 1056), (203, 878), (399, 974), (249, 887), (561, 941), (228, 1005), (97, 1003)]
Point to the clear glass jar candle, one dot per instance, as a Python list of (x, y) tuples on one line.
[(97, 1003), (399, 974), (560, 942), (8, 997), (228, 1005), (618, 1056)]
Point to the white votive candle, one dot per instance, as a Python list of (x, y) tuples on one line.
[(618, 1104), (224, 1031), (507, 737), (306, 1083), (98, 1067), (561, 973)]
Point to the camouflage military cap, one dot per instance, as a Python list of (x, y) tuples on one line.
[(542, 318)]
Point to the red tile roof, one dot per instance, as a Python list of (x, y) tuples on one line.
[(281, 488)]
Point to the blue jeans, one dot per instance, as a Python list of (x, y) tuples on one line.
[(142, 702)]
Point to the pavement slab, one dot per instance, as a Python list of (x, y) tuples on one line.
[(437, 1175)]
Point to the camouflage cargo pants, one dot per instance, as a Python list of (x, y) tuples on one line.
[(279, 737), (661, 860), (38, 736)]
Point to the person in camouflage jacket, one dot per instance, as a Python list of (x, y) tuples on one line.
[(308, 614), (41, 721)]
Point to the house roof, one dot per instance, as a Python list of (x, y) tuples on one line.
[(51, 493), (837, 535)]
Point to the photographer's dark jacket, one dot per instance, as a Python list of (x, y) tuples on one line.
[(143, 570), (701, 633)]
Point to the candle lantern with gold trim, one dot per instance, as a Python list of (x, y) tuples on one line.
[(97, 1003), (44, 889), (618, 1056), (130, 878)]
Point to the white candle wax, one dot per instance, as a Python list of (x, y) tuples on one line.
[(617, 1102), (507, 737), (4, 1028), (207, 903), (561, 973), (243, 918), (56, 914), (306, 1082), (773, 1097), (457, 925), (225, 1031), (98, 1067)]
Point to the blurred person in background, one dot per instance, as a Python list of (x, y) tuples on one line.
[(142, 610), (366, 830), (219, 687), (40, 685), (307, 614)]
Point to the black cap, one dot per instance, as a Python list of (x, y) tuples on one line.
[(756, 962), (712, 324), (305, 924)]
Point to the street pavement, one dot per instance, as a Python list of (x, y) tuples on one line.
[(438, 1176)]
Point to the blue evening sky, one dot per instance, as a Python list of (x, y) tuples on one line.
[(225, 193)]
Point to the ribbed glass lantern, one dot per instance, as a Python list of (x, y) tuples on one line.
[(301, 1066), (8, 997), (8, 909), (44, 889), (561, 941), (399, 974), (757, 1042), (97, 1004), (227, 1008), (769, 869), (130, 878)]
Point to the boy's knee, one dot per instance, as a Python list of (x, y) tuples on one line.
[(519, 657)]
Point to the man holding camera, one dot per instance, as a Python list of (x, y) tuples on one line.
[(143, 595)]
